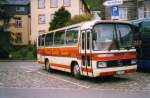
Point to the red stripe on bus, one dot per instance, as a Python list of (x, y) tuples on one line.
[(60, 65), (40, 62), (84, 69), (110, 73), (131, 56), (62, 52)]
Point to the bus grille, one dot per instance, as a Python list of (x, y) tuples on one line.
[(119, 63)]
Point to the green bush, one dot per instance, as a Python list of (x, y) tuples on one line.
[(60, 18), (24, 52), (79, 18)]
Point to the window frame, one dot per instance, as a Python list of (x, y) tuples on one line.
[(20, 9), (18, 35), (39, 17), (39, 6), (69, 29), (53, 6), (64, 39), (68, 3), (18, 22), (49, 40)]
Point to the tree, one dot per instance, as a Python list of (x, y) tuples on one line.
[(5, 36), (60, 19), (5, 42), (79, 18), (4, 15)]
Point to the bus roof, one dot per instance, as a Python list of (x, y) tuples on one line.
[(89, 24)]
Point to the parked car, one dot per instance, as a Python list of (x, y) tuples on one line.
[(143, 49)]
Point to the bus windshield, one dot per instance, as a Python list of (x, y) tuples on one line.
[(112, 37), (125, 36), (105, 37)]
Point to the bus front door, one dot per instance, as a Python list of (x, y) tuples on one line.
[(86, 65)]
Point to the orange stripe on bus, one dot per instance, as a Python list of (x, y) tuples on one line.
[(67, 51), (60, 65), (131, 71), (107, 73)]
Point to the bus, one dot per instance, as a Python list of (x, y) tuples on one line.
[(144, 47), (92, 48)]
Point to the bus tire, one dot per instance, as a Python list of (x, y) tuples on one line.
[(47, 65), (76, 71)]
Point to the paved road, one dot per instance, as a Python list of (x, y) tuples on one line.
[(69, 93), (29, 80)]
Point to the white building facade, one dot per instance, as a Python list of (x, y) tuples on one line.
[(42, 12)]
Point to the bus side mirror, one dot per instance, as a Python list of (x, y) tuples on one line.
[(94, 35)]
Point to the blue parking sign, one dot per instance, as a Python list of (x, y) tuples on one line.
[(115, 12)]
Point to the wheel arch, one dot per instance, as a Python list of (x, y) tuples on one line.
[(45, 60), (73, 64)]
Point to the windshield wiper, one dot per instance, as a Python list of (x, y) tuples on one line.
[(120, 37), (114, 42)]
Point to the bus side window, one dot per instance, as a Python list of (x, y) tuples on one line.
[(59, 38), (72, 36), (49, 39)]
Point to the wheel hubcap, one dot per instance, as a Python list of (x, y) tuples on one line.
[(76, 70), (47, 65)]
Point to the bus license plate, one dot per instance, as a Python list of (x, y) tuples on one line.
[(120, 72)]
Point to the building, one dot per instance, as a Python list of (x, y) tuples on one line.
[(143, 9), (130, 10), (42, 12), (19, 24)]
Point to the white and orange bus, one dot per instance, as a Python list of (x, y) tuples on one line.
[(93, 48)]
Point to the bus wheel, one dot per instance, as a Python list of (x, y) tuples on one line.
[(47, 65), (76, 71)]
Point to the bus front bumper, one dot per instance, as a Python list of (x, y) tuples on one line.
[(115, 71)]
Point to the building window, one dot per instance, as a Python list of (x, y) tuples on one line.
[(53, 3), (41, 19), (18, 22), (67, 3), (41, 4), (123, 13), (141, 12), (144, 12), (20, 9), (18, 37), (148, 12)]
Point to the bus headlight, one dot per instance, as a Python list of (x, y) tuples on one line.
[(101, 64), (133, 62)]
